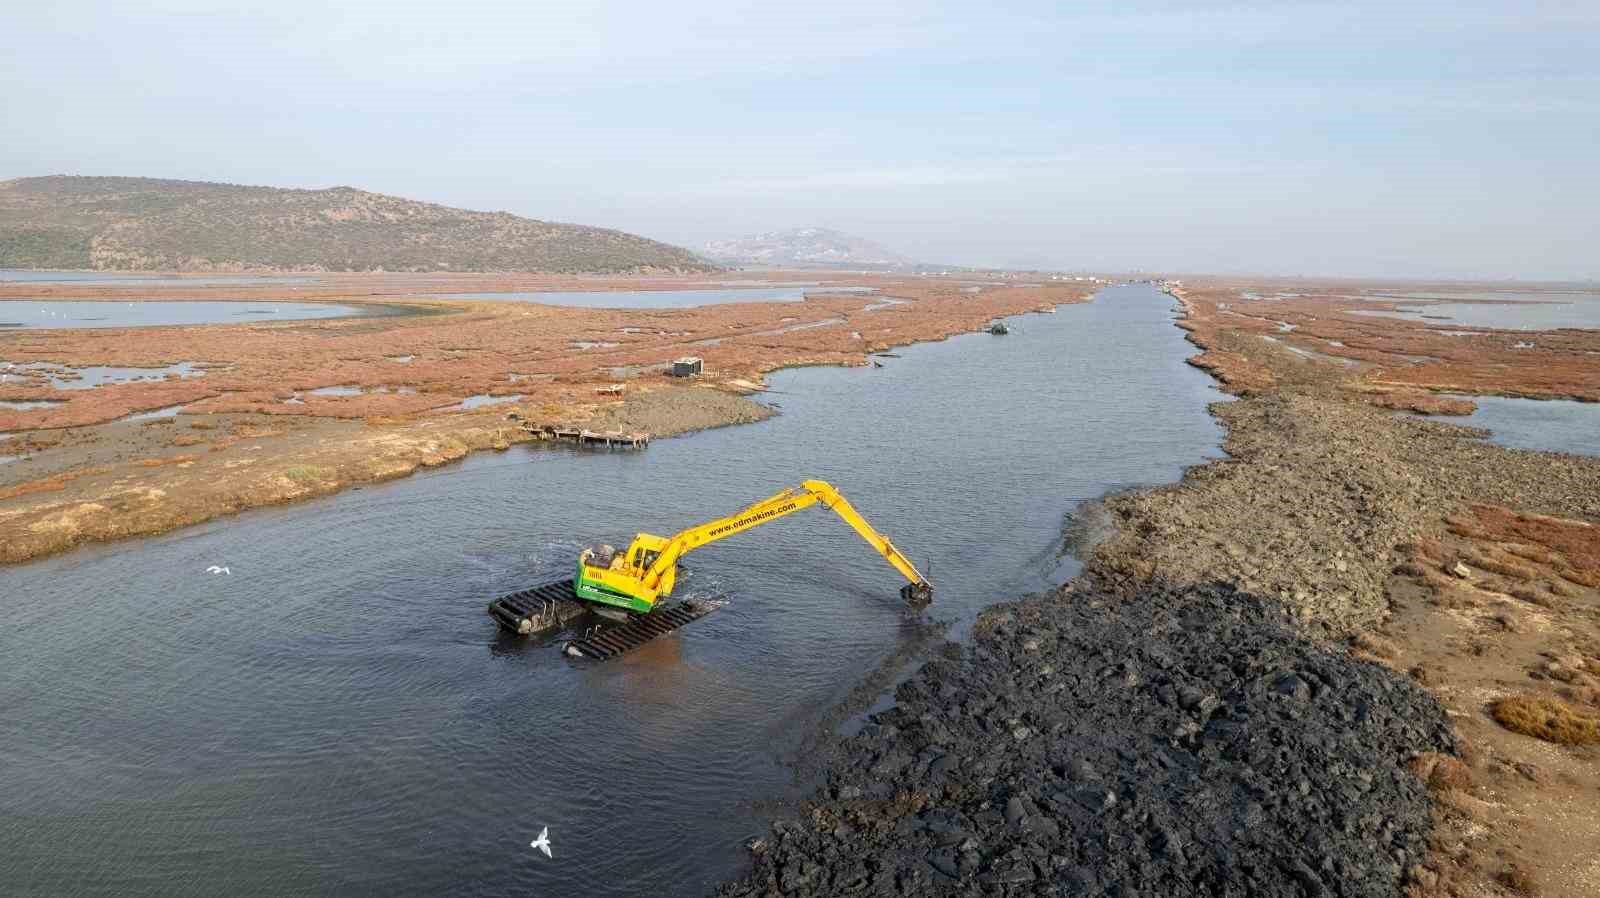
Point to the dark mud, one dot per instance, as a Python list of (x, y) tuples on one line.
[(1180, 741)]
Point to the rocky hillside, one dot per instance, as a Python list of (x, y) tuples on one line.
[(806, 248), (143, 224)]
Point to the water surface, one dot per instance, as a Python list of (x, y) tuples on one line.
[(1510, 311), (169, 411), (482, 399), (1547, 425), (87, 377), (79, 313), (339, 715)]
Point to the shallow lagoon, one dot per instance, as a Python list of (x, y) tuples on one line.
[(60, 314)]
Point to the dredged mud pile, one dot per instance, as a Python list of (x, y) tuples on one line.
[(1182, 741)]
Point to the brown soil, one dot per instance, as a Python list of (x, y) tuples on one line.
[(1485, 615), (1391, 360), (137, 479), (251, 432), (1472, 567)]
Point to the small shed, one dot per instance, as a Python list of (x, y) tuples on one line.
[(688, 366)]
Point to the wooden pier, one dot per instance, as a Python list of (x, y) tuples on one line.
[(608, 439)]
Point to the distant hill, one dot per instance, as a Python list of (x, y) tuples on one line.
[(805, 248), (145, 224)]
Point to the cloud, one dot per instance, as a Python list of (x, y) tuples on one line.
[(1137, 127)]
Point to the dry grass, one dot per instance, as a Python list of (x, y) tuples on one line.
[(1518, 880), (1524, 548), (1457, 596), (1441, 772), (307, 473), (1589, 578), (1576, 543), (1409, 569), (1560, 588), (48, 485), (1500, 564), (1535, 554), (1423, 403), (255, 431), (164, 461), (1549, 719), (1428, 550), (1372, 644), (1441, 580), (1584, 695)]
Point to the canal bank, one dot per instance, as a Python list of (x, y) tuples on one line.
[(339, 710), (1270, 680)]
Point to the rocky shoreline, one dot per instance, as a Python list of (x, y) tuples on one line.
[(1180, 740), (1315, 496)]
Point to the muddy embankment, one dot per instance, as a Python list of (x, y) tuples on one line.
[(149, 477), (1176, 741), (282, 412), (1360, 656)]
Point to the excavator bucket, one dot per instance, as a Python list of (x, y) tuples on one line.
[(917, 595)]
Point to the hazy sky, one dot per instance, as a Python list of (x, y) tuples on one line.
[(1424, 138)]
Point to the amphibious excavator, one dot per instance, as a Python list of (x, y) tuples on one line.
[(626, 587)]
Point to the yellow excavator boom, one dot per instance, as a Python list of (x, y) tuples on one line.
[(635, 579), (841, 506)]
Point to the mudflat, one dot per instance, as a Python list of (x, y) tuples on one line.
[(284, 411)]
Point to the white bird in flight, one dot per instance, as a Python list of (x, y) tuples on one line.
[(214, 569), (543, 842)]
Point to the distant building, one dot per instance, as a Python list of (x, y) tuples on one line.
[(688, 366)]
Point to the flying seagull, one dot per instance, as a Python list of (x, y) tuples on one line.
[(543, 842), (214, 569)]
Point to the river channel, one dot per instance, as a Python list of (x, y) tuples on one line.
[(339, 715)]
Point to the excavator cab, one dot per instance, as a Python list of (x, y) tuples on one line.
[(613, 578)]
